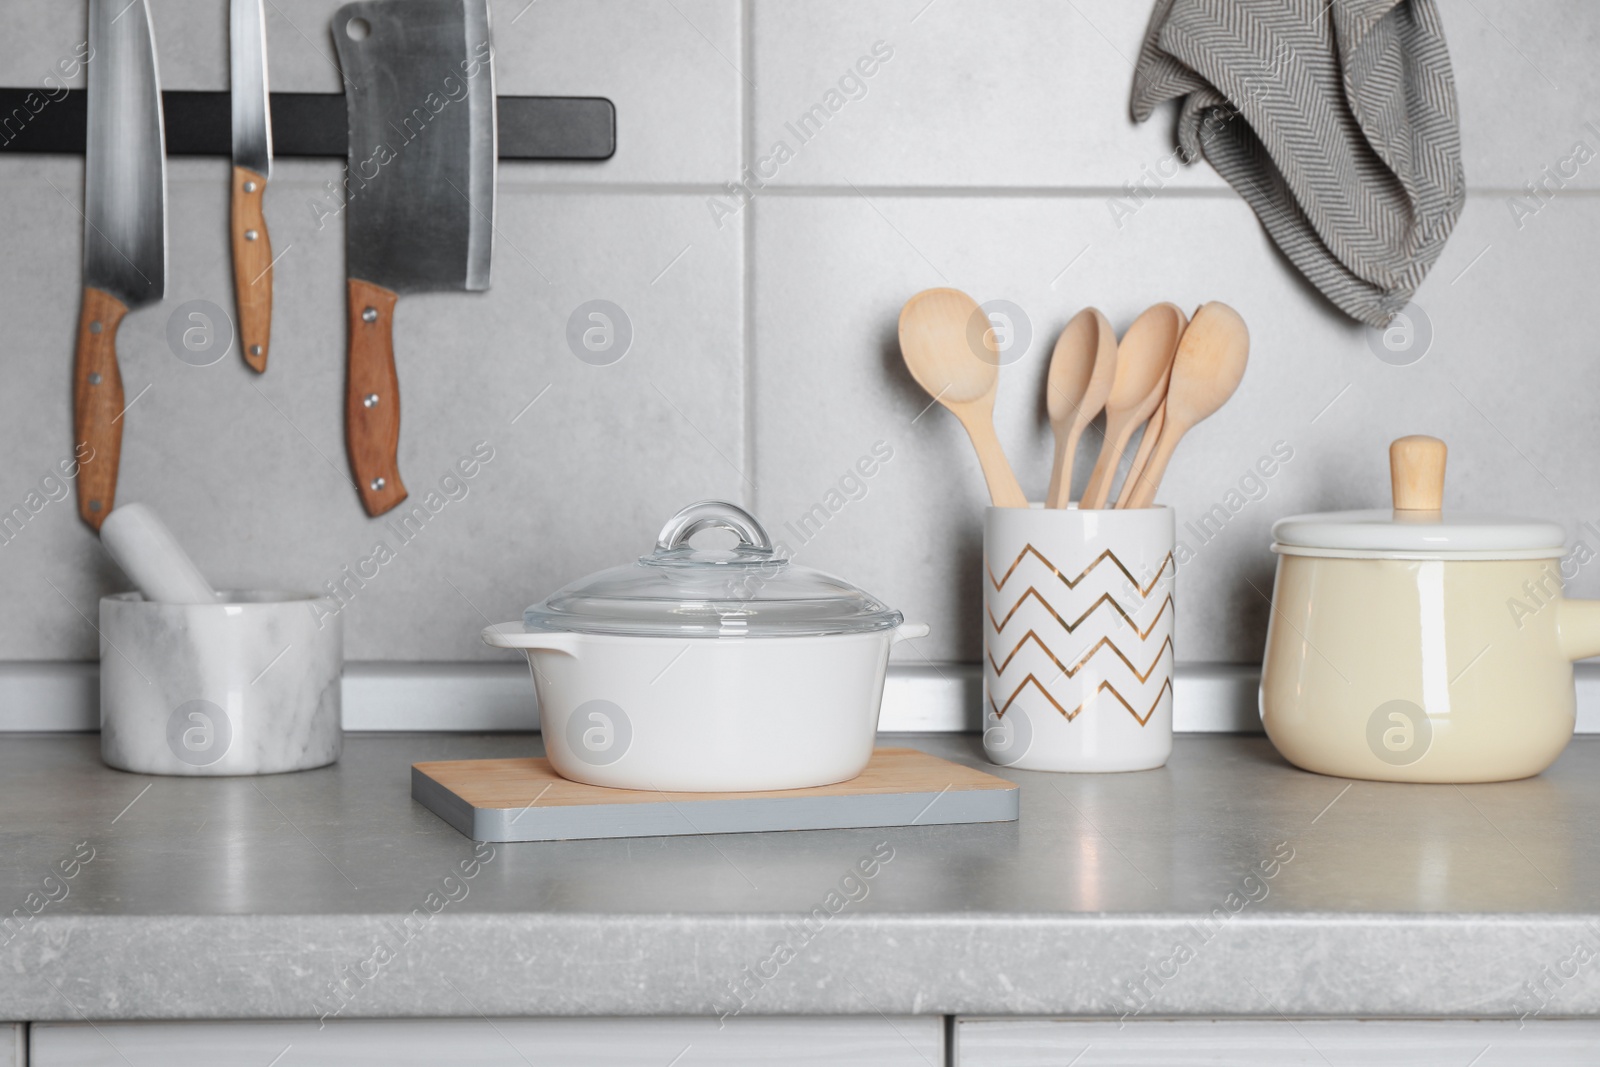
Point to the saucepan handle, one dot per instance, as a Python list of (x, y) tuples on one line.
[(1578, 622)]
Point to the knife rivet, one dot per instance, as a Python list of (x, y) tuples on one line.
[(95, 327), (249, 187), (255, 350), (251, 235), (369, 315), (94, 379), (94, 505), (377, 484), (370, 400)]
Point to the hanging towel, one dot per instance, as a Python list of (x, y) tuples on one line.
[(1334, 119)]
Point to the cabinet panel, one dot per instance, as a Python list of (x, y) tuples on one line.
[(1276, 1043), (796, 1042)]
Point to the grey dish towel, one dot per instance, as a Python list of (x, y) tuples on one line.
[(1336, 121)]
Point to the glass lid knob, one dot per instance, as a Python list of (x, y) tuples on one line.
[(714, 515)]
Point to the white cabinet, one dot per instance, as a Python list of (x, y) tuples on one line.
[(1275, 1043), (792, 1042), (13, 1045)]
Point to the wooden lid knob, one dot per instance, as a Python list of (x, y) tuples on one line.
[(1416, 473)]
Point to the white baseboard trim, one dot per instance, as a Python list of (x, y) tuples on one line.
[(49, 696), (491, 697)]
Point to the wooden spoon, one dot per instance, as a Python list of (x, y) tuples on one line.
[(934, 343), (1205, 372), (1082, 369), (1143, 361), (1147, 445)]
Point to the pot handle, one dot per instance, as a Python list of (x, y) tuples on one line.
[(512, 635), (908, 631), (1578, 624)]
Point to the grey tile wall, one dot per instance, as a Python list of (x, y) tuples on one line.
[(963, 95), (831, 272), (982, 152)]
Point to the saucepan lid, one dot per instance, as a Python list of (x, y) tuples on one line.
[(679, 590), (1418, 526)]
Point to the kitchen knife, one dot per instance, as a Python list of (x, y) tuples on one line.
[(419, 214), (124, 233), (252, 166)]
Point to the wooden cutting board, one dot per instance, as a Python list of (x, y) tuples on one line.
[(525, 800)]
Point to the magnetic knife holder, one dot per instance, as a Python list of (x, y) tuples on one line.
[(575, 128)]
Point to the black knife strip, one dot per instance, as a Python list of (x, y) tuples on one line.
[(575, 128)]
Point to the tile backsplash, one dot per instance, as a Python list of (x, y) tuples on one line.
[(988, 148)]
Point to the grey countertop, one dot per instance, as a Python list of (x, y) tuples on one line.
[(1226, 883)]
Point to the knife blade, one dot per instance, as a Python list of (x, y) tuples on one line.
[(124, 234), (419, 213), (252, 166)]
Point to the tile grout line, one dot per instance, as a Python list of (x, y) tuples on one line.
[(954, 192), (748, 241), (526, 186)]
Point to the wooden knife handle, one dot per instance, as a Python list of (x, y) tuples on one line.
[(252, 267), (97, 405), (372, 398)]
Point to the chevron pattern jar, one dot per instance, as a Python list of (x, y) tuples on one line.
[(1077, 633)]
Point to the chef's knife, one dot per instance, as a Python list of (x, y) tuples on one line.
[(419, 215), (252, 166), (124, 234)]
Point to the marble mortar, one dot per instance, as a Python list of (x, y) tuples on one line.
[(248, 685)]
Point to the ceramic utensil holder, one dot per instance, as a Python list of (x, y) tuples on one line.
[(1077, 638), (248, 685)]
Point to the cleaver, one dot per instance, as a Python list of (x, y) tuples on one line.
[(419, 195), (124, 234)]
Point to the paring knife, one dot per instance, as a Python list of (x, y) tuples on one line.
[(419, 215), (125, 233), (252, 166)]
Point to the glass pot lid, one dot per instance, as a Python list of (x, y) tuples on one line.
[(1417, 527), (682, 591)]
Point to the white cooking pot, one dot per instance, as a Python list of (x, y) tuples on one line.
[(708, 670)]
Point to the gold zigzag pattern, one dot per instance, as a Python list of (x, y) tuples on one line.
[(1072, 583), (999, 712), (1072, 672), (1072, 627)]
